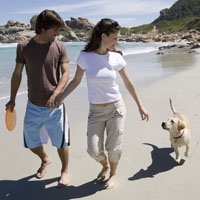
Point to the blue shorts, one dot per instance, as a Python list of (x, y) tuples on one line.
[(40, 123)]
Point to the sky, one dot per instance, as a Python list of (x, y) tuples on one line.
[(129, 13)]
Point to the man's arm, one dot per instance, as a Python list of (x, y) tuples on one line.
[(15, 83), (61, 85)]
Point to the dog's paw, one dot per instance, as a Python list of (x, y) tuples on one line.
[(188, 155)]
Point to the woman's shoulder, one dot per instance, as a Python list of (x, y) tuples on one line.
[(86, 53), (83, 55), (117, 58), (116, 54)]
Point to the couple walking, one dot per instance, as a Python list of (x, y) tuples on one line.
[(45, 58)]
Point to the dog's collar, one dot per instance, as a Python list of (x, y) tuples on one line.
[(180, 136)]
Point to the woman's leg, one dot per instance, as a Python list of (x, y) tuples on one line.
[(115, 132), (95, 140), (102, 175), (111, 181)]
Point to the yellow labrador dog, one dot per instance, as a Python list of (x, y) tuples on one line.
[(180, 131)]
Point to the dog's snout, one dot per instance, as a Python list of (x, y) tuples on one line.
[(163, 124)]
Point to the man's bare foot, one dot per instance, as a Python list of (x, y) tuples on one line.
[(110, 183), (102, 175), (41, 171), (64, 180)]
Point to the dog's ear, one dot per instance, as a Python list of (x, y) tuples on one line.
[(181, 125)]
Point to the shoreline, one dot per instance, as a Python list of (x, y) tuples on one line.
[(8, 62), (146, 169), (156, 64)]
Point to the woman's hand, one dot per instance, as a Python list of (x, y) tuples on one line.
[(54, 101), (144, 114), (58, 100)]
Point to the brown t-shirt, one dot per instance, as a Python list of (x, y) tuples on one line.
[(42, 63)]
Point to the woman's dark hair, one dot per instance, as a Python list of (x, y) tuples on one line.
[(106, 26), (48, 19)]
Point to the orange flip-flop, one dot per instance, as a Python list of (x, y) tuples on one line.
[(10, 119)]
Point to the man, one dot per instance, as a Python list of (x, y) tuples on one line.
[(44, 57)]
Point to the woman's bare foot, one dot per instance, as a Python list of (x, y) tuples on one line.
[(102, 175), (41, 171), (111, 182), (64, 179)]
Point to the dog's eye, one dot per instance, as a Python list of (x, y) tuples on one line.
[(172, 121)]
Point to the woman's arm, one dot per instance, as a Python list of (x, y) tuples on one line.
[(130, 87), (61, 85), (71, 86)]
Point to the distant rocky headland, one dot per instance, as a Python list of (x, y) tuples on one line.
[(80, 29), (178, 24)]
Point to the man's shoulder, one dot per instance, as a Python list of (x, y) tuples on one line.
[(25, 42), (59, 43)]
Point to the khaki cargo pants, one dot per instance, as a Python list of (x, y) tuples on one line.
[(109, 119)]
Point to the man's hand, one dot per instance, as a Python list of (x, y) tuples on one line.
[(11, 105)]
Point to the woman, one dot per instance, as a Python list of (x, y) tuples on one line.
[(107, 110)]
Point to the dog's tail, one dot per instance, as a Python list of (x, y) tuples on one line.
[(172, 107)]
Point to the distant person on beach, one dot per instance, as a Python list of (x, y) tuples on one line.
[(45, 58), (107, 110)]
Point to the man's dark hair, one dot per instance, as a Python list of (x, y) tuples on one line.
[(48, 19)]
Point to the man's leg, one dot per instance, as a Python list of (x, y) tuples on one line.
[(45, 159), (64, 157)]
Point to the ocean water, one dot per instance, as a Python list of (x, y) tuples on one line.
[(143, 64)]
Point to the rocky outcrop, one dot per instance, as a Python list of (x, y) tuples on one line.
[(13, 32), (153, 36), (70, 36), (80, 29), (33, 22), (79, 24), (75, 30)]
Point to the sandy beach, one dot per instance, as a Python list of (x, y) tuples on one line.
[(147, 170)]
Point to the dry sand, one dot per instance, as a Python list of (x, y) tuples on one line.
[(147, 170)]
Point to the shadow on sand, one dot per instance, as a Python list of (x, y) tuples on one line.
[(26, 189), (162, 161)]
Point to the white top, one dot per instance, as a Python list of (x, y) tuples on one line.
[(101, 75)]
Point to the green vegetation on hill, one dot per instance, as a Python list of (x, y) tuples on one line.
[(179, 10), (142, 29), (177, 25), (139, 29), (183, 15)]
